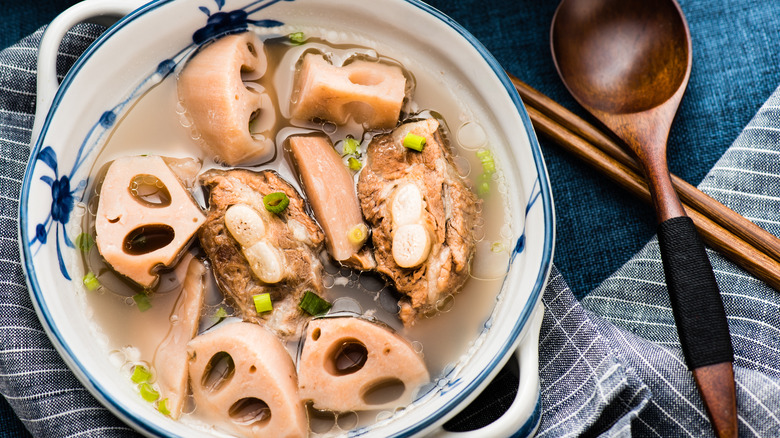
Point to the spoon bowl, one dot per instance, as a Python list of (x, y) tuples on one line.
[(628, 63), (620, 56)]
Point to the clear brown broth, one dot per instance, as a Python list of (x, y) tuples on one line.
[(156, 124)]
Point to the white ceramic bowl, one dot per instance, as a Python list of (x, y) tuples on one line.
[(75, 118)]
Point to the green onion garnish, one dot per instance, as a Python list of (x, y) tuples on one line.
[(84, 242), (220, 314), (488, 164), (162, 406), (276, 202), (140, 374), (138, 241), (415, 142), (297, 38), (351, 146), (91, 282), (488, 169), (142, 301), (312, 304), (354, 164), (148, 392), (483, 187), (263, 303)]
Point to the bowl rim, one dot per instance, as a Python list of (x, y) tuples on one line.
[(544, 194)]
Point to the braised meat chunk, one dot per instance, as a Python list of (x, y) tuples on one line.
[(422, 216), (255, 251)]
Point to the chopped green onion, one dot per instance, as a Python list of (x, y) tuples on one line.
[(297, 38), (138, 241), (140, 374), (91, 282), (484, 154), (220, 314), (312, 304), (483, 186), (276, 202), (162, 406), (497, 247), (148, 392), (351, 146), (84, 242), (354, 164), (142, 301), (263, 303), (488, 164), (488, 169), (358, 234), (413, 141), (483, 189)]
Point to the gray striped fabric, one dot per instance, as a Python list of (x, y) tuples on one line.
[(621, 349), (33, 378), (610, 365)]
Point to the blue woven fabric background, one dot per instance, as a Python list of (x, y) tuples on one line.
[(599, 226)]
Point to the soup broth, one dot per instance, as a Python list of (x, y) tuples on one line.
[(131, 322)]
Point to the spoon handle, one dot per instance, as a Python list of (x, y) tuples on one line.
[(701, 319)]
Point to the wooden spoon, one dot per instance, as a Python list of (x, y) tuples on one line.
[(628, 63)]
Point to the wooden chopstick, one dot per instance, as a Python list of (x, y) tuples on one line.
[(719, 213), (727, 242)]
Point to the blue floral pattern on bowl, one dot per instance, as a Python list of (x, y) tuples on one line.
[(221, 23), (64, 198)]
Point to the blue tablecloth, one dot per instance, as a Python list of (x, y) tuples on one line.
[(736, 68)]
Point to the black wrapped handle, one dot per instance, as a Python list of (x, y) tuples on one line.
[(696, 302)]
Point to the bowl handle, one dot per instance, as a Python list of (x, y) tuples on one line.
[(522, 417), (104, 12)]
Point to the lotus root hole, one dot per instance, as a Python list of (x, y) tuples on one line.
[(384, 391), (219, 371), (251, 48), (315, 334), (149, 191), (346, 356), (148, 238), (250, 410), (361, 112), (252, 117), (252, 369), (365, 77)]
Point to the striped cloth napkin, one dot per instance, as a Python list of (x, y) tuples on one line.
[(610, 365)]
